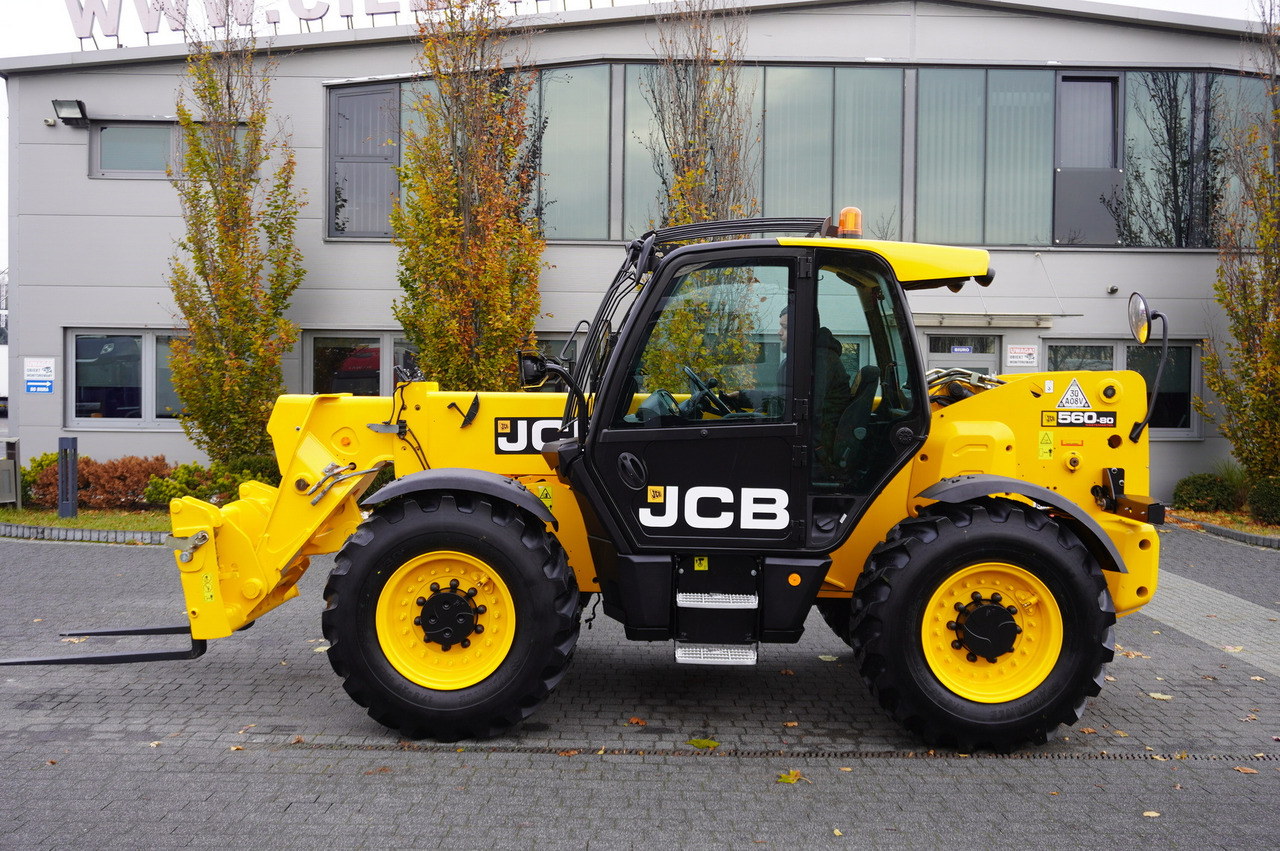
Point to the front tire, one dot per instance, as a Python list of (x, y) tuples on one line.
[(451, 615), (983, 624)]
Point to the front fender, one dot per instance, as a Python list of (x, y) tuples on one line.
[(1092, 535), (463, 479)]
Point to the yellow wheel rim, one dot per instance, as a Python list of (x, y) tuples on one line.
[(1035, 650), (427, 663)]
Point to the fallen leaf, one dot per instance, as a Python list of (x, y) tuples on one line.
[(38, 620), (791, 723), (155, 744), (247, 727), (837, 832), (1110, 678), (1259, 679), (236, 748), (787, 672), (382, 769), (1121, 733), (324, 649), (793, 776), (74, 640), (1233, 648), (52, 762), (1244, 770), (704, 744), (567, 753), (1158, 696), (1159, 758), (638, 722), (1087, 730), (1151, 814), (297, 740), (827, 658), (842, 768)]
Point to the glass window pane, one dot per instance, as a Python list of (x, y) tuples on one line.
[(950, 155), (868, 134), (1087, 125), (364, 149), (1163, 201), (134, 148), (954, 344), (1019, 198), (108, 376), (346, 365), (404, 355), (361, 198), (640, 184), (168, 405), (798, 141), (1173, 403), (575, 152), (1068, 358)]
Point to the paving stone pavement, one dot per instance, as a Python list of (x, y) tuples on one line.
[(256, 743)]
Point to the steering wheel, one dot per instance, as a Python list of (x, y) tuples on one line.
[(704, 395)]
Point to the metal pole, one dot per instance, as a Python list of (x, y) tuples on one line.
[(68, 476)]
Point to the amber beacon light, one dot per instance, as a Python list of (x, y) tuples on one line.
[(850, 223)]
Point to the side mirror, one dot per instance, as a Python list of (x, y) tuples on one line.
[(1139, 318), (533, 370)]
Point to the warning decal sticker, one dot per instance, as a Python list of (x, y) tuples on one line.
[(1074, 397)]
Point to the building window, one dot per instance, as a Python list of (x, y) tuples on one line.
[(868, 147), (121, 376), (361, 364), (364, 150), (574, 200), (1174, 415), (798, 145), (133, 150)]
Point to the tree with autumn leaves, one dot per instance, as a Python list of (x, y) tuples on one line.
[(470, 246), (237, 264), (1243, 371)]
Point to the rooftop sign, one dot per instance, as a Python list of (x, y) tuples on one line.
[(105, 15)]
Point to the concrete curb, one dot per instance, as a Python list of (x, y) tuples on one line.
[(1268, 541), (93, 536)]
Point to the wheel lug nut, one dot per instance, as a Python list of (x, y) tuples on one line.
[(453, 585), (466, 642), (480, 610), (959, 607), (972, 657), (991, 659), (471, 592), (996, 598), (952, 625), (478, 629), (435, 587), (1013, 610), (421, 601), (417, 621), (1017, 630), (976, 596), (957, 644)]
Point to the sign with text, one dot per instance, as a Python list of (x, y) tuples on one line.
[(37, 373), (1021, 356)]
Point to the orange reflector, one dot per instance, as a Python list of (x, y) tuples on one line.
[(850, 223), (793, 580)]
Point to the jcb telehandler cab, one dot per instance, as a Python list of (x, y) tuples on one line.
[(748, 431)]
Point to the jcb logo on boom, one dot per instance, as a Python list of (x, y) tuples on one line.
[(524, 435), (1098, 419), (712, 507)]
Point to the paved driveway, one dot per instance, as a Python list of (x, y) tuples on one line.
[(256, 743)]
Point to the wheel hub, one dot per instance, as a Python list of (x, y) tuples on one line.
[(449, 616), (984, 627)]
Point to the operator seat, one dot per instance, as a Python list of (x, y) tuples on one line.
[(852, 427)]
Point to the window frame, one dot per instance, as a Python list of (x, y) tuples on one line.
[(386, 341), (148, 420), (98, 172), (1120, 361)]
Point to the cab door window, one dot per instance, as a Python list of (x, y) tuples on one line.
[(716, 350)]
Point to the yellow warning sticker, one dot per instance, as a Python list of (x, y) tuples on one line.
[(700, 563), (544, 494), (1046, 445), (657, 493)]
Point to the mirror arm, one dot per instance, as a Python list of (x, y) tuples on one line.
[(1136, 431)]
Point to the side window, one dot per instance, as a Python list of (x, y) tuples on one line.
[(121, 375), (716, 350), (859, 374)]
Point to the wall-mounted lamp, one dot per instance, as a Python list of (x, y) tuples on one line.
[(71, 112)]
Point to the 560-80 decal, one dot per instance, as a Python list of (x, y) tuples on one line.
[(1095, 419)]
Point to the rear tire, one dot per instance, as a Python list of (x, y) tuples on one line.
[(937, 642), (451, 615)]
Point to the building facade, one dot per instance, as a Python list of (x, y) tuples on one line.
[(1052, 134)]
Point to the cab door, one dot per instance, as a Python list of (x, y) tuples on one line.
[(697, 443)]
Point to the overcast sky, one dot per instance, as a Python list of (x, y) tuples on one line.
[(34, 27)]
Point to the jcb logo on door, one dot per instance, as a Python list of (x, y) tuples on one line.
[(524, 435), (712, 507)]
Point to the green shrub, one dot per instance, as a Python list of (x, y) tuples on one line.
[(1264, 501), (32, 471), (1204, 492), (259, 468), (1237, 480), (215, 483)]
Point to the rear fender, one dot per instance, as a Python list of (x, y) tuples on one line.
[(462, 479)]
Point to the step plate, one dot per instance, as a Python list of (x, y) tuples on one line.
[(716, 654), (717, 601)]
